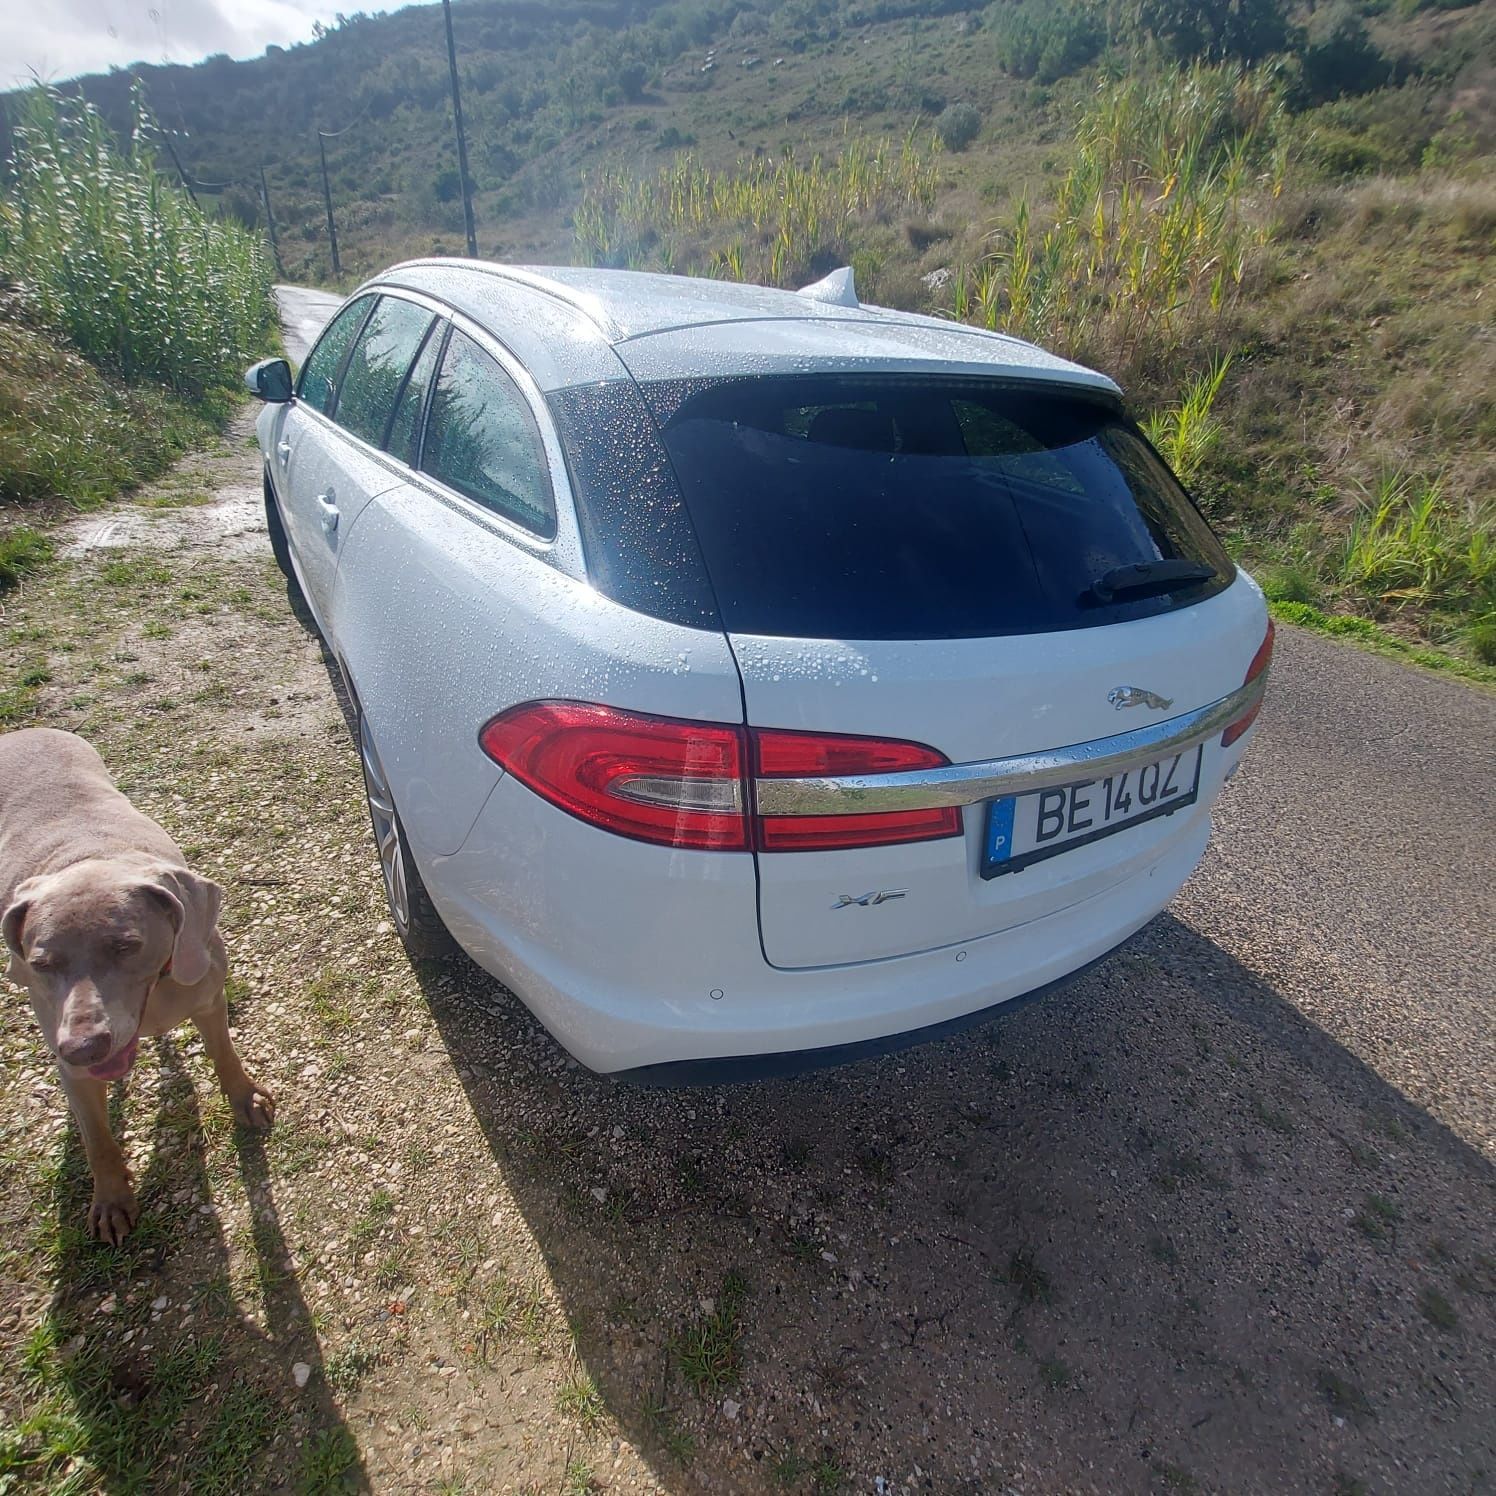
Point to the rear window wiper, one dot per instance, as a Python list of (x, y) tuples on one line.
[(1148, 576)]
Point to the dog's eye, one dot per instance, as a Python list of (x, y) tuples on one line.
[(41, 961), (126, 945)]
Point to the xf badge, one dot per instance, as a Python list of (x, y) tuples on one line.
[(867, 900)]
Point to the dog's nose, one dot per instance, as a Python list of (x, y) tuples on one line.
[(84, 1048)]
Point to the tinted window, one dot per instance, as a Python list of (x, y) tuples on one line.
[(405, 429), (377, 366), (636, 535), (482, 440), (317, 386), (899, 507)]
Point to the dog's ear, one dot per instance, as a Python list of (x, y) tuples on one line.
[(15, 916), (193, 903)]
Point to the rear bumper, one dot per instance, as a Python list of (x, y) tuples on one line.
[(637, 957)]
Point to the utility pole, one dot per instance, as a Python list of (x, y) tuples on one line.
[(176, 161), (270, 223), (462, 166), (332, 228)]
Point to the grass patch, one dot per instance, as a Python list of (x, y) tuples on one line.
[(1344, 1397), (708, 1352), (508, 1309), (346, 1368), (1377, 1218), (325, 1459), (22, 551), (1275, 1119), (1055, 1375), (578, 1399), (1024, 1273), (1437, 1310)]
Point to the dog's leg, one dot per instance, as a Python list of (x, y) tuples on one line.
[(253, 1105), (114, 1211)]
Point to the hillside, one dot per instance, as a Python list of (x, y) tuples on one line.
[(1349, 451)]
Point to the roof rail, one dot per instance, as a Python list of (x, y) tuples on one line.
[(579, 301)]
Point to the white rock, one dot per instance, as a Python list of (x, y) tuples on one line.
[(731, 1409), (301, 1373), (159, 1304)]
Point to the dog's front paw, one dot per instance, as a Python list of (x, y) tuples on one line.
[(114, 1211), (254, 1106)]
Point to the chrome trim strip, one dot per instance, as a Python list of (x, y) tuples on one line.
[(969, 784)]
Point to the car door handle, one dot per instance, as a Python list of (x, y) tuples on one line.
[(329, 511), (284, 448)]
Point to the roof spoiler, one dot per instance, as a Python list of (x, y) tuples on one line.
[(836, 289)]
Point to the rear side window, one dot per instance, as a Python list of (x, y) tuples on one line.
[(378, 365), (405, 428), (894, 507), (482, 440), (317, 385)]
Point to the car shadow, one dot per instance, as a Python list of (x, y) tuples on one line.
[(179, 1373), (1155, 1231)]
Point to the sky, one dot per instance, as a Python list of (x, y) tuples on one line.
[(59, 39)]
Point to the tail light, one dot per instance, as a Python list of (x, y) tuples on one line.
[(1260, 661), (686, 784), (797, 755)]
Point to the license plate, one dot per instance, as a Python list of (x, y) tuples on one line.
[(1024, 829)]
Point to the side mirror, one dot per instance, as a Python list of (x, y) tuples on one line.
[(270, 380)]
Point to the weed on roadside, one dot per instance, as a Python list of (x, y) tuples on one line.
[(578, 1399), (1344, 1397), (1024, 1273), (707, 1352), (1437, 1310), (1377, 1218)]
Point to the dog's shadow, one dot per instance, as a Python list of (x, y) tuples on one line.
[(181, 1371)]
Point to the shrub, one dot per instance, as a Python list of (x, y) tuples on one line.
[(1341, 57), (958, 125), (1289, 584), (1044, 40)]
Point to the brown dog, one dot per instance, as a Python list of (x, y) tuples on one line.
[(115, 938)]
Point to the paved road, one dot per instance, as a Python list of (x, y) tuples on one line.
[(303, 313)]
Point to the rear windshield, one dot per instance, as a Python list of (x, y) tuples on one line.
[(893, 507)]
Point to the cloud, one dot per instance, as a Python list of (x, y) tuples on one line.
[(59, 39)]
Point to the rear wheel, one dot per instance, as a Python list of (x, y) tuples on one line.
[(413, 914)]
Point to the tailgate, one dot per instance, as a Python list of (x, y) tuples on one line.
[(980, 702)]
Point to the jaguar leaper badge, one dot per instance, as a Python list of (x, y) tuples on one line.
[(1124, 696)]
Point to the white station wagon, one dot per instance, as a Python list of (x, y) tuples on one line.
[(752, 676)]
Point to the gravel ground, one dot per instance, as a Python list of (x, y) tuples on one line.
[(1216, 1218)]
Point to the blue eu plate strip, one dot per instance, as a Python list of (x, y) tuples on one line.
[(1000, 830)]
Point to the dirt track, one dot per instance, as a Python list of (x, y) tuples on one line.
[(1218, 1218)]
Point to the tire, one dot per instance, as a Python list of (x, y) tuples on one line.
[(279, 547), (412, 913)]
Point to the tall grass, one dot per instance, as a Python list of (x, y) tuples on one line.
[(770, 219), (1410, 545), (137, 277), (1156, 218), (1187, 431)]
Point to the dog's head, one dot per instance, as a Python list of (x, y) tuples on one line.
[(92, 941)]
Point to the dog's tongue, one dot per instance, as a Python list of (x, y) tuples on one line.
[(116, 1065)]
